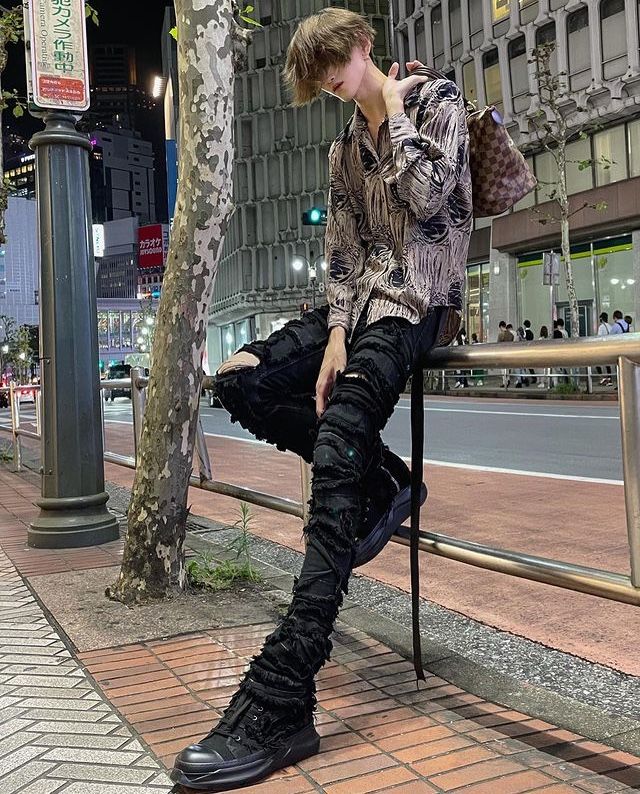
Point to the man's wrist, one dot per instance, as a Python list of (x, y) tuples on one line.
[(338, 334)]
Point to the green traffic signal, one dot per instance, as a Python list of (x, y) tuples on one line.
[(316, 216)]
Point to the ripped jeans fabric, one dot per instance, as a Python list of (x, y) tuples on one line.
[(275, 401)]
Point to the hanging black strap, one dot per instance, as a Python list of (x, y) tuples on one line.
[(417, 446)]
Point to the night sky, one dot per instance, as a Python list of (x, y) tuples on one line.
[(121, 22)]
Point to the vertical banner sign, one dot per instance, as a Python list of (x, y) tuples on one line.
[(551, 269), (58, 55), (151, 249)]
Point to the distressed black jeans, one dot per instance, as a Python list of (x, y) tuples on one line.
[(275, 401)]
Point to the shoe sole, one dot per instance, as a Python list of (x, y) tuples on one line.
[(377, 539), (301, 745)]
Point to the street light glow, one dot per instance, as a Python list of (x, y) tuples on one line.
[(149, 321), (323, 264), (297, 264), (156, 89), (315, 215)]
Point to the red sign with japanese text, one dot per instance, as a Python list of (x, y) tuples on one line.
[(151, 248)]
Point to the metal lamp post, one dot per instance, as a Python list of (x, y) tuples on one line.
[(73, 507), (300, 261)]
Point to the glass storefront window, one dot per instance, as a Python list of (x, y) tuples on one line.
[(633, 147), (614, 271), (103, 331), (437, 34), (547, 174), (603, 278), (228, 341), (492, 82), (579, 49), (577, 179), (126, 330), (114, 329), (610, 155), (519, 74), (477, 301), (469, 81)]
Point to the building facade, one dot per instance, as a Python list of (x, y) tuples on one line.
[(281, 170), (485, 46), (20, 263), (122, 176)]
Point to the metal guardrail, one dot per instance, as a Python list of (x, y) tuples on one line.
[(622, 350)]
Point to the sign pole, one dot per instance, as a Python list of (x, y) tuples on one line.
[(73, 509)]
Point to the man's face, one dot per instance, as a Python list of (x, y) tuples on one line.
[(344, 81)]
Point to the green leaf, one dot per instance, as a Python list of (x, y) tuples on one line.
[(18, 111), (174, 32), (248, 10), (250, 21)]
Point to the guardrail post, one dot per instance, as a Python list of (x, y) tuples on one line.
[(204, 463), (589, 381), (38, 396), (138, 401), (14, 401), (629, 391), (305, 479)]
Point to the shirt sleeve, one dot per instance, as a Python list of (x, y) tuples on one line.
[(428, 161), (343, 248)]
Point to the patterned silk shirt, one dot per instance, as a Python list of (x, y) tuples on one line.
[(400, 213)]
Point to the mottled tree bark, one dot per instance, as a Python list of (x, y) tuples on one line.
[(210, 44)]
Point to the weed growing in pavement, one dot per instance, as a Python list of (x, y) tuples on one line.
[(566, 388), (205, 571)]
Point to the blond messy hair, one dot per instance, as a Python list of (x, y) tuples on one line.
[(322, 41)]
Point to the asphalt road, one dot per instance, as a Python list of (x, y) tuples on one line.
[(573, 440)]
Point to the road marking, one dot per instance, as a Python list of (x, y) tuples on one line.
[(470, 466), (509, 413)]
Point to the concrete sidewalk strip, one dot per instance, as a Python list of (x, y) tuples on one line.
[(52, 720)]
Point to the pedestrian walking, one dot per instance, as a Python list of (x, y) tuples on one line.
[(528, 335), (604, 329), (461, 339), (545, 374), (505, 335), (619, 324), (629, 321), (401, 167)]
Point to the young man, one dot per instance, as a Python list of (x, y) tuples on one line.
[(398, 227), (604, 329), (619, 324)]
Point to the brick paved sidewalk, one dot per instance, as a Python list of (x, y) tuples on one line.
[(79, 722)]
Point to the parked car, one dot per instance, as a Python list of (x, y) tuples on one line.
[(116, 372)]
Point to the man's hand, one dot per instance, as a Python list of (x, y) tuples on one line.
[(394, 91), (334, 361), (411, 65)]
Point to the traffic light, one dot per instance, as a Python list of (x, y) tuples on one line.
[(316, 216)]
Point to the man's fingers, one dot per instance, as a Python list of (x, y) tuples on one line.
[(393, 71), (411, 65), (322, 390)]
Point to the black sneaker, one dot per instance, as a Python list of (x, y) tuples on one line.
[(250, 742), (388, 506)]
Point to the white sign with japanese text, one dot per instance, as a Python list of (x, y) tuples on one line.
[(59, 63)]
